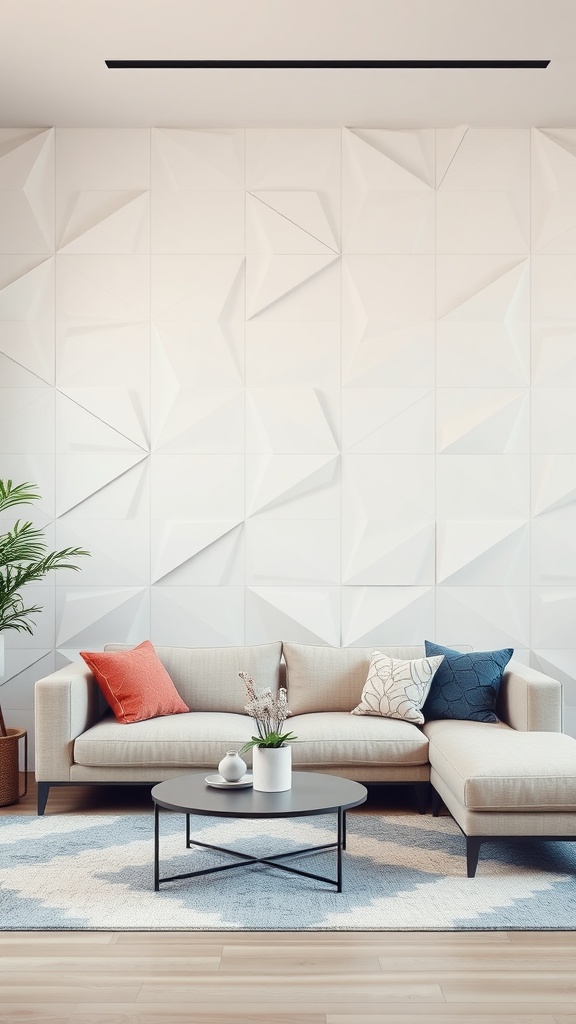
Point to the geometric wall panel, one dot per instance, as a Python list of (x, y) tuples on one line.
[(483, 488), (554, 190), (497, 616), (91, 616), (27, 320), (561, 664), (26, 190), (554, 485), (483, 334), (299, 161), (553, 611), (483, 420), (177, 545), (287, 222), (554, 420), (483, 191), (102, 191), (388, 195), (198, 192), (277, 355), (293, 486), (269, 279), (388, 308), (387, 615), (307, 615), (286, 420), (480, 553), (388, 420), (292, 552), (379, 552), (299, 384), (198, 159), (197, 616), (553, 550)]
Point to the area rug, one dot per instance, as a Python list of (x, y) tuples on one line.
[(401, 872)]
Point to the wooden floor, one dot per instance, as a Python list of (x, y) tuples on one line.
[(283, 977)]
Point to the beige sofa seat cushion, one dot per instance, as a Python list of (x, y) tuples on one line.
[(495, 768), (339, 738), (197, 739), (332, 678), (207, 677)]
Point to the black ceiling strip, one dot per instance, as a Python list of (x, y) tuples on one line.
[(362, 64)]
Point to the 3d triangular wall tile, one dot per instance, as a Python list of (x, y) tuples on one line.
[(388, 191), (27, 321), (177, 542), (206, 616), (481, 553), (270, 279), (483, 331), (308, 615), (108, 222), (554, 191), (292, 485), (288, 222), (198, 159), (26, 191), (377, 552), (386, 615)]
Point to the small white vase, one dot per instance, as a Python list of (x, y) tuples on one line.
[(272, 768), (232, 767)]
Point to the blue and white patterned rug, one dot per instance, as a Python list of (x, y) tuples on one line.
[(400, 872)]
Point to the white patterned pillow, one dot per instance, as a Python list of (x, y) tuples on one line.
[(397, 689)]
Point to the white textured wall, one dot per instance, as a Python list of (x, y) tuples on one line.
[(312, 385)]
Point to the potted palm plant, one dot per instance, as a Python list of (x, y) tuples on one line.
[(24, 558)]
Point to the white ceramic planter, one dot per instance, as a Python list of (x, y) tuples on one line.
[(272, 768)]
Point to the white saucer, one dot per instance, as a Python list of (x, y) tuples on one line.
[(220, 783)]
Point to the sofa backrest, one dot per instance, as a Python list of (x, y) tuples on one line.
[(331, 678), (207, 677)]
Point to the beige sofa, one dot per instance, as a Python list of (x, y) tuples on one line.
[(514, 778)]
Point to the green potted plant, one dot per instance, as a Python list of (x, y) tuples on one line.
[(271, 750), (24, 558)]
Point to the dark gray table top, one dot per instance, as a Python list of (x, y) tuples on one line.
[(311, 793)]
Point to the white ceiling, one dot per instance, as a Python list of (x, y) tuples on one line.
[(52, 69)]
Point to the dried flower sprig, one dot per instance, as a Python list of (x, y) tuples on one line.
[(268, 712)]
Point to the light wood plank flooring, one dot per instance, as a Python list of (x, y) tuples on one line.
[(282, 977)]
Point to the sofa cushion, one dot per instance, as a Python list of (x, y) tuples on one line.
[(396, 688), (491, 767), (466, 685), (339, 738), (198, 739), (331, 678), (207, 677), (135, 683)]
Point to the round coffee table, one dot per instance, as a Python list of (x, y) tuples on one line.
[(311, 794)]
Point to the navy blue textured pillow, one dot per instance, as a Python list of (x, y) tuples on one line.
[(466, 685)]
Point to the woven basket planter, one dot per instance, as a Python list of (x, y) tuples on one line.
[(9, 774)]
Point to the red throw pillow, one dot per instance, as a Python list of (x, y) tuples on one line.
[(135, 683)]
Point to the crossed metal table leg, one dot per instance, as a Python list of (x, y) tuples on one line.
[(246, 858)]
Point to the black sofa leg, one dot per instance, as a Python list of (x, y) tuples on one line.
[(422, 790), (43, 790), (436, 803), (472, 851)]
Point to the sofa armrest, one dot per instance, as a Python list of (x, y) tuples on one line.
[(529, 700), (66, 703)]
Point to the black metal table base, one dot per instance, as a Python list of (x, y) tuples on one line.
[(246, 858)]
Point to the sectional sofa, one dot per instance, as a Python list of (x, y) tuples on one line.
[(515, 777)]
